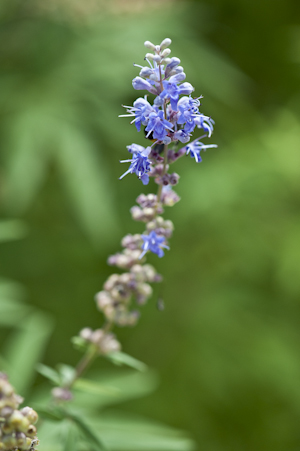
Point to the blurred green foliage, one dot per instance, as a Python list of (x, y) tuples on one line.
[(227, 346)]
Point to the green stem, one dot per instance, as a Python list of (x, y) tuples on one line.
[(83, 364)]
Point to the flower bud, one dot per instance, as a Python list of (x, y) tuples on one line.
[(157, 58), (165, 43), (27, 445), (9, 441), (21, 439), (31, 431), (139, 84), (146, 72), (166, 53), (149, 45), (86, 333), (61, 394), (150, 56), (31, 414), (6, 412), (103, 299), (18, 421)]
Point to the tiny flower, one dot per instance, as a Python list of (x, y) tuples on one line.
[(141, 109), (195, 147), (168, 196), (140, 84), (182, 136), (153, 243), (205, 122), (158, 125), (172, 91), (171, 66), (134, 148), (139, 164)]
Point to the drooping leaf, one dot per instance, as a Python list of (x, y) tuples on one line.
[(127, 384), (92, 387), (50, 413), (121, 358), (25, 347), (49, 373), (87, 431), (70, 437)]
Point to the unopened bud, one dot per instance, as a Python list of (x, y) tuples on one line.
[(156, 58), (86, 333), (61, 394), (166, 53), (31, 431), (21, 439), (149, 56), (149, 45), (27, 444), (165, 43), (31, 414), (18, 421), (9, 441)]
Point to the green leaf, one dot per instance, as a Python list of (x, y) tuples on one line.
[(87, 431), (88, 185), (49, 373), (12, 311), (50, 413), (12, 229), (89, 386), (70, 437), (129, 383), (125, 431), (120, 358), (25, 349)]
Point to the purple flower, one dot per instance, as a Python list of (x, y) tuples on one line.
[(139, 84), (139, 164), (195, 147), (158, 125), (172, 91), (182, 136), (171, 66), (205, 122), (153, 243), (135, 148), (141, 109), (190, 116)]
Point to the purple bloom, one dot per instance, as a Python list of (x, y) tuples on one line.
[(172, 91), (141, 109), (153, 243), (205, 122), (190, 116), (139, 84), (135, 148), (171, 66), (158, 125), (139, 164), (182, 136), (195, 147)]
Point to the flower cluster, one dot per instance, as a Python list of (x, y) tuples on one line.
[(173, 115), (169, 120), (17, 430)]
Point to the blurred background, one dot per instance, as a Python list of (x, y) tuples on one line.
[(227, 346)]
